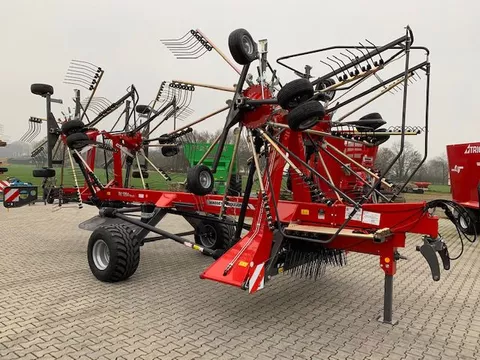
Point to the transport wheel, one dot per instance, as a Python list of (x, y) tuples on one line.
[(328, 95), (136, 174), (242, 47), (235, 188), (77, 140), (113, 253), (72, 126), (43, 173), (41, 89), (3, 170), (372, 120), (294, 93), (169, 151), (200, 180), (305, 115), (143, 109), (379, 140), (214, 235)]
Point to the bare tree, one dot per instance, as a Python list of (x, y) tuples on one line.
[(384, 156), (435, 170), (407, 162)]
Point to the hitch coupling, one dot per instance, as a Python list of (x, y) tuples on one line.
[(429, 251)]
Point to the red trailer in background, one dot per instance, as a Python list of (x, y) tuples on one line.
[(464, 170)]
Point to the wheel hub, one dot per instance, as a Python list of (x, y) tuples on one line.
[(208, 236), (205, 179), (101, 254)]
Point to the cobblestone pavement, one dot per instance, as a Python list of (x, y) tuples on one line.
[(51, 306)]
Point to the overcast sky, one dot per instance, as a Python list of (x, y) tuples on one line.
[(40, 37)]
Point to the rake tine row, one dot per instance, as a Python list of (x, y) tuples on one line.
[(190, 46), (98, 104), (34, 129)]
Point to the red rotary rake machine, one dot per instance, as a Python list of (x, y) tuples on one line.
[(293, 127)]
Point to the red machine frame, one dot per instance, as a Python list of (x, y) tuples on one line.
[(330, 224)]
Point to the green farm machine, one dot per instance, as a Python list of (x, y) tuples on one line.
[(195, 152)]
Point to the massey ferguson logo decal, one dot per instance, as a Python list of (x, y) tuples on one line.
[(229, 204), (125, 194), (472, 149), (457, 169)]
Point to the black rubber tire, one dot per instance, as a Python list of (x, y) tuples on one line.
[(381, 140), (235, 188), (222, 235), (124, 250), (372, 120), (72, 126), (77, 140), (236, 43), (305, 116), (136, 174), (41, 89), (194, 183), (143, 109), (328, 96), (43, 173), (170, 150), (294, 93), (3, 170), (3, 143)]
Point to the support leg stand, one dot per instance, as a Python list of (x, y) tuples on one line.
[(388, 302)]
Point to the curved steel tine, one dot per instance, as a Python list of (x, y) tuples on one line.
[(363, 67), (86, 62), (95, 109), (31, 134), (81, 73), (100, 102), (330, 66), (75, 81), (38, 129), (193, 57), (341, 62), (376, 48), (104, 100), (191, 32), (72, 78), (353, 61), (22, 139), (345, 76), (355, 56), (188, 45), (369, 56), (82, 68), (92, 72), (191, 54)]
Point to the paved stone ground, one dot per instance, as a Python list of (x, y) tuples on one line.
[(52, 307)]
